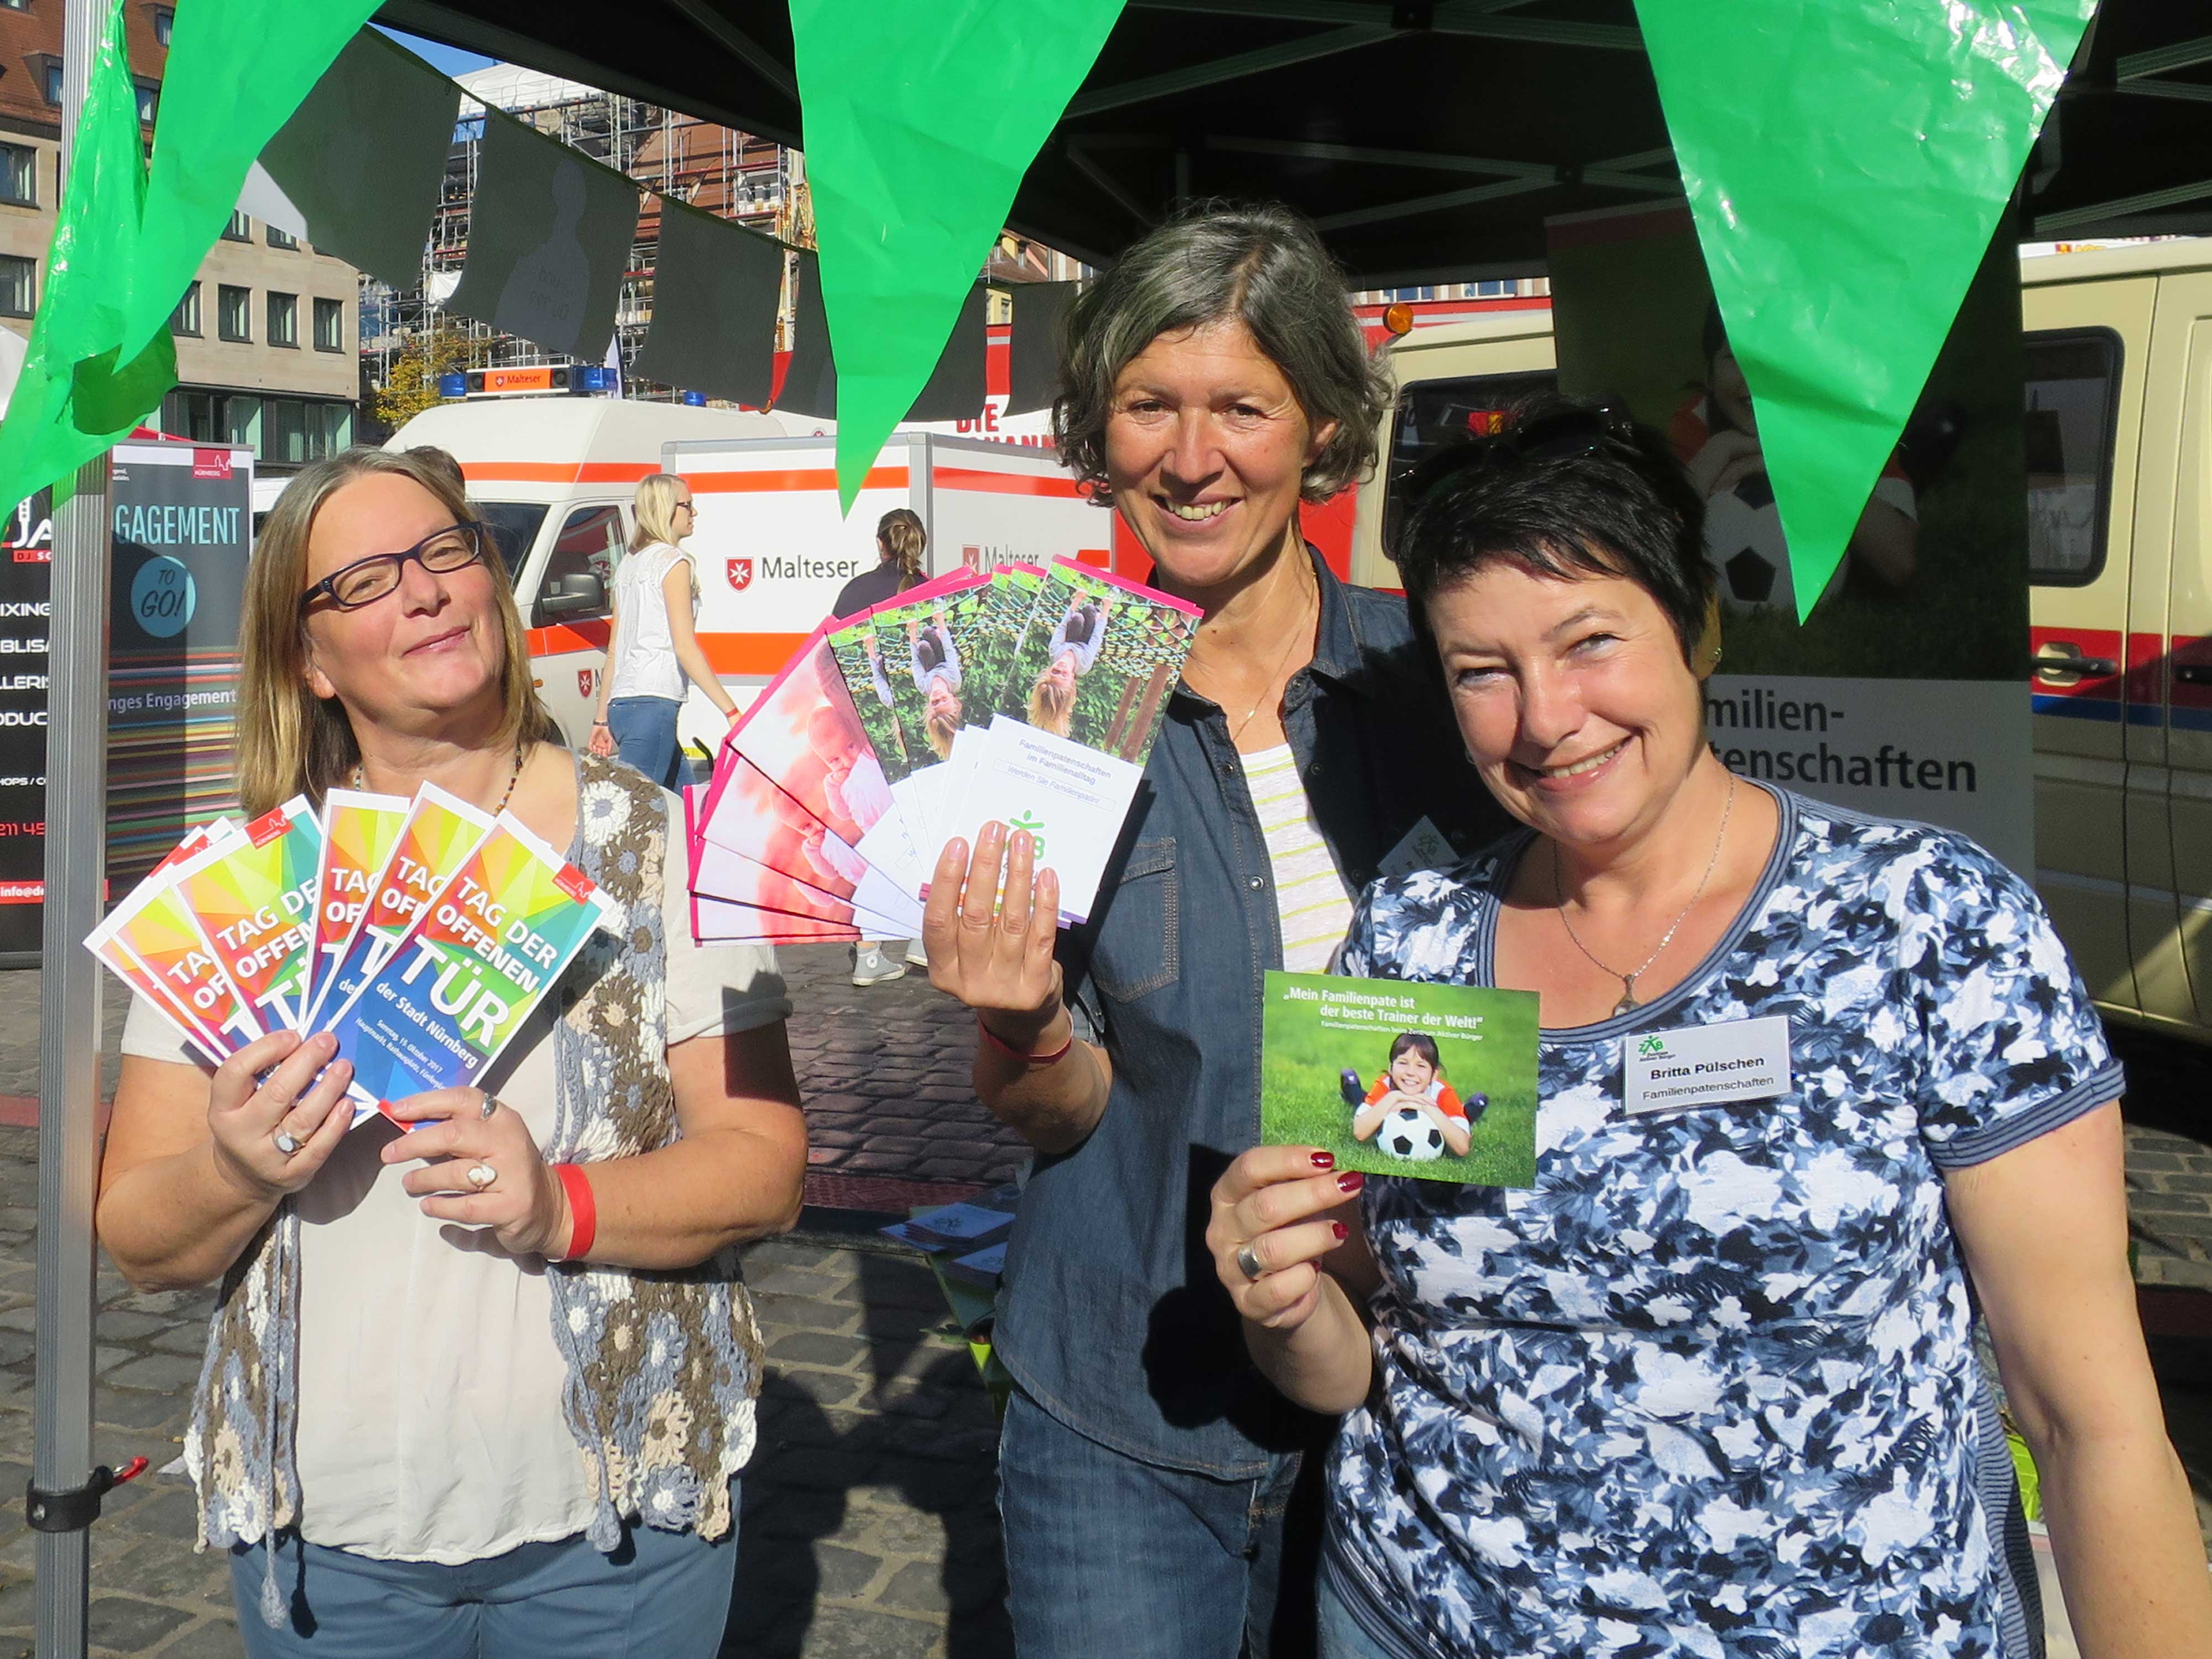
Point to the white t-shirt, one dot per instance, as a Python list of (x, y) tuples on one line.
[(641, 657), (1310, 902), (430, 1423)]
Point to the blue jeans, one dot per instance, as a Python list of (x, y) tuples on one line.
[(1109, 1555), (659, 1596), (1342, 1636), (644, 730)]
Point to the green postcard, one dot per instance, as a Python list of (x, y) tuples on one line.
[(1434, 1081)]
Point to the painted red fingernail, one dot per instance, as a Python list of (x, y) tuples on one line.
[(1351, 1182), (1324, 1160), (1341, 1231)]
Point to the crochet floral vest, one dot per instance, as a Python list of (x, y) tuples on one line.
[(663, 1367)]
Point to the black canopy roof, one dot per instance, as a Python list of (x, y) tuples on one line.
[(1429, 138)]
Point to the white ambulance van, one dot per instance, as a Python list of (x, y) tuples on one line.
[(555, 477), (772, 549), (2119, 455)]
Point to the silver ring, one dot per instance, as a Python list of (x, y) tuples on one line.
[(481, 1176), (287, 1142), (490, 1105), (1249, 1260)]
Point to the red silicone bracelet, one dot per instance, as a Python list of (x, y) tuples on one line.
[(583, 1210), (1023, 1054)]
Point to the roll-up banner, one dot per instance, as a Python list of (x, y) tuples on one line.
[(1900, 693), (182, 523), (27, 551)]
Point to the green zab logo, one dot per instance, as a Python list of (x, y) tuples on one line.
[(1652, 1045)]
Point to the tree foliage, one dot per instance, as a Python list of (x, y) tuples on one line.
[(412, 386)]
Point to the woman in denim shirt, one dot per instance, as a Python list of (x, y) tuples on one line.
[(1157, 1495)]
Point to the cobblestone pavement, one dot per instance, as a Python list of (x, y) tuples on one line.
[(869, 1525)]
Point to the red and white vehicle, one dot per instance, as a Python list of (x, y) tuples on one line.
[(555, 476), (772, 549)]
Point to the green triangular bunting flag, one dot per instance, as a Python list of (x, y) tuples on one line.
[(920, 122), (100, 355), (77, 394), (1846, 162)]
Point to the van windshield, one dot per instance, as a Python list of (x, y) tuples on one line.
[(514, 527)]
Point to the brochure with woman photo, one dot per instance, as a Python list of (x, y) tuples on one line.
[(921, 663), (1099, 661), (852, 643), (1438, 1082), (1089, 687)]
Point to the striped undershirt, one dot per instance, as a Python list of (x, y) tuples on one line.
[(1310, 897)]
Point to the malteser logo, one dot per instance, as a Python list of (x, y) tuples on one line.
[(740, 572)]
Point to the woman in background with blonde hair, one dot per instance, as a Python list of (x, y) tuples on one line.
[(483, 1382), (654, 648)]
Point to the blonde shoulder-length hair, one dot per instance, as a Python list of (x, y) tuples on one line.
[(656, 510), (290, 742)]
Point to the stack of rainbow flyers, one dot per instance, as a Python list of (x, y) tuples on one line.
[(421, 932), (1026, 696)]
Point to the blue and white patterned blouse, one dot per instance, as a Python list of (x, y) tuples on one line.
[(1709, 1388)]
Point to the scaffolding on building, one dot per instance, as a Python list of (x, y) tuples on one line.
[(678, 157)]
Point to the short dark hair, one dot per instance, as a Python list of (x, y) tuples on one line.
[(1418, 1042), (1260, 263), (1622, 507)]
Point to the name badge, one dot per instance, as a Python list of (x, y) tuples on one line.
[(1423, 847), (1707, 1066)]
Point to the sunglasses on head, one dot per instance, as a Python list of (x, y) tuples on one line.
[(1558, 434)]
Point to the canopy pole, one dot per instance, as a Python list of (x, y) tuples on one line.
[(69, 986)]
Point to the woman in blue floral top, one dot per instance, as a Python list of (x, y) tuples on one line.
[(1709, 1388)]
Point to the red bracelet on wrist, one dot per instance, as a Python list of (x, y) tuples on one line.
[(1023, 1054), (583, 1210)]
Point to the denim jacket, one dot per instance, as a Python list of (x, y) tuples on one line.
[(1111, 1315)]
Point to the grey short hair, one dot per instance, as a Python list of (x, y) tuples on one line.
[(1261, 264)]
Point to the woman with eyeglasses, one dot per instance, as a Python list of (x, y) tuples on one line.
[(481, 1381), (653, 649), (1709, 1387)]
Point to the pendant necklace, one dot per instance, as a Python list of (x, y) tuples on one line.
[(1297, 633), (1628, 1004), (512, 778)]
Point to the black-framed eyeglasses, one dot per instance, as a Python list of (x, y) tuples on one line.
[(367, 581)]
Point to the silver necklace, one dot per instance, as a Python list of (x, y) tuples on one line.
[(1298, 632), (1628, 1003), (512, 777)]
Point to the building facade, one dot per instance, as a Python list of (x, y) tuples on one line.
[(268, 334)]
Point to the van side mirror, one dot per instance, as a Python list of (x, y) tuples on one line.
[(569, 595)]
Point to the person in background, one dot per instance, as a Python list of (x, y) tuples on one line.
[(900, 544), (653, 647), (1709, 1387), (1160, 1497), (1715, 434), (481, 1383)]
